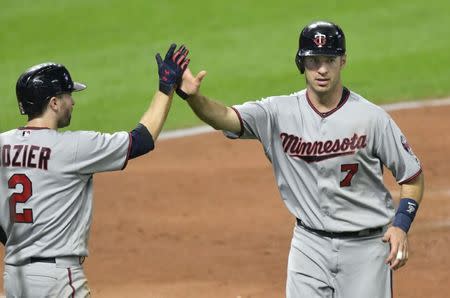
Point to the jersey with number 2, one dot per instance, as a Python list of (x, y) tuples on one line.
[(46, 188)]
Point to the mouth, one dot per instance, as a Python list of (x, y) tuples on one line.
[(322, 81)]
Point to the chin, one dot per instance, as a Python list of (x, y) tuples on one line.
[(322, 89), (64, 123)]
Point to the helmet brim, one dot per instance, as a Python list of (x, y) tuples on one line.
[(306, 53), (78, 86)]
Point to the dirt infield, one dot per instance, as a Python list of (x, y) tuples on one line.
[(201, 217)]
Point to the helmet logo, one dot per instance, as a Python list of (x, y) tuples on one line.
[(320, 39)]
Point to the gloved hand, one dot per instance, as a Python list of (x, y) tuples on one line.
[(171, 68)]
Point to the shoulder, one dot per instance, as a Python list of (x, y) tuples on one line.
[(8, 133), (277, 100), (88, 134), (366, 107), (91, 139)]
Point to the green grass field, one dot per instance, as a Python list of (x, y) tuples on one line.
[(397, 50)]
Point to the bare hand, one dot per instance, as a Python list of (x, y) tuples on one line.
[(398, 240), (190, 84)]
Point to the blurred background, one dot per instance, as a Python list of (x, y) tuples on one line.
[(397, 50)]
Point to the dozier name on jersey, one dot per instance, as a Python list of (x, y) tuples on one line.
[(28, 156)]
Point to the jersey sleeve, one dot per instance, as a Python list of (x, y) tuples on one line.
[(395, 152), (100, 152), (255, 117)]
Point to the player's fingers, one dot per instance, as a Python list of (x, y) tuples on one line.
[(170, 51), (399, 257), (178, 53), (386, 237), (392, 254), (185, 64), (158, 59), (400, 264), (405, 255), (200, 76), (182, 57)]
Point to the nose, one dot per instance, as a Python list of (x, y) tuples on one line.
[(323, 68)]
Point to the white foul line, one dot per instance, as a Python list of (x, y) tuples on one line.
[(186, 132)]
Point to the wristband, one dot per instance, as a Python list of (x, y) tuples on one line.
[(405, 214), (182, 94)]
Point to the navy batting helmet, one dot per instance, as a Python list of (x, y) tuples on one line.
[(41, 82), (320, 39)]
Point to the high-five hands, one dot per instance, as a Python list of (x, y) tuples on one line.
[(171, 69), (190, 85)]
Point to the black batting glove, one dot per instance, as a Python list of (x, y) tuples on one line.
[(171, 68)]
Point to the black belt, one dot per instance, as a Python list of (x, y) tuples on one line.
[(52, 260), (42, 260), (362, 233)]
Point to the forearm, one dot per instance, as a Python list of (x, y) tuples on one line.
[(214, 113), (414, 189), (410, 197), (156, 114)]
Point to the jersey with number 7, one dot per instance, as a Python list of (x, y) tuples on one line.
[(329, 166)]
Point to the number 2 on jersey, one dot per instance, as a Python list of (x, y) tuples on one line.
[(351, 170), (20, 197)]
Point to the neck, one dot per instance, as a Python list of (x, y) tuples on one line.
[(326, 101), (42, 122)]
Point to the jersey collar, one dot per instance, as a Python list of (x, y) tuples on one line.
[(344, 97), (31, 128)]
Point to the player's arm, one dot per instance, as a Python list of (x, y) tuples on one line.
[(414, 189), (155, 116), (212, 112), (411, 194), (170, 71)]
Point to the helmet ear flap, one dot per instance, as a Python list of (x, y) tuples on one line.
[(299, 62)]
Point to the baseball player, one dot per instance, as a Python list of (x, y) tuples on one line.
[(46, 177), (328, 146)]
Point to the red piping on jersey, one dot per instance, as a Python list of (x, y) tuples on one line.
[(32, 128), (343, 100), (411, 178), (70, 282), (128, 151), (240, 121)]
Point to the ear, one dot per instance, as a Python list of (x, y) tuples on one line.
[(343, 61), (53, 103)]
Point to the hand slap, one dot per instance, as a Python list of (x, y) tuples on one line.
[(170, 70), (180, 57)]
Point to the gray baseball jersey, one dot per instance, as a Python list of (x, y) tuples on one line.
[(46, 188), (329, 166)]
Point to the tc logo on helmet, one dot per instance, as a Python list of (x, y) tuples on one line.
[(320, 39)]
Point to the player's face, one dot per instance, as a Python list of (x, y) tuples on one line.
[(65, 113), (323, 73)]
